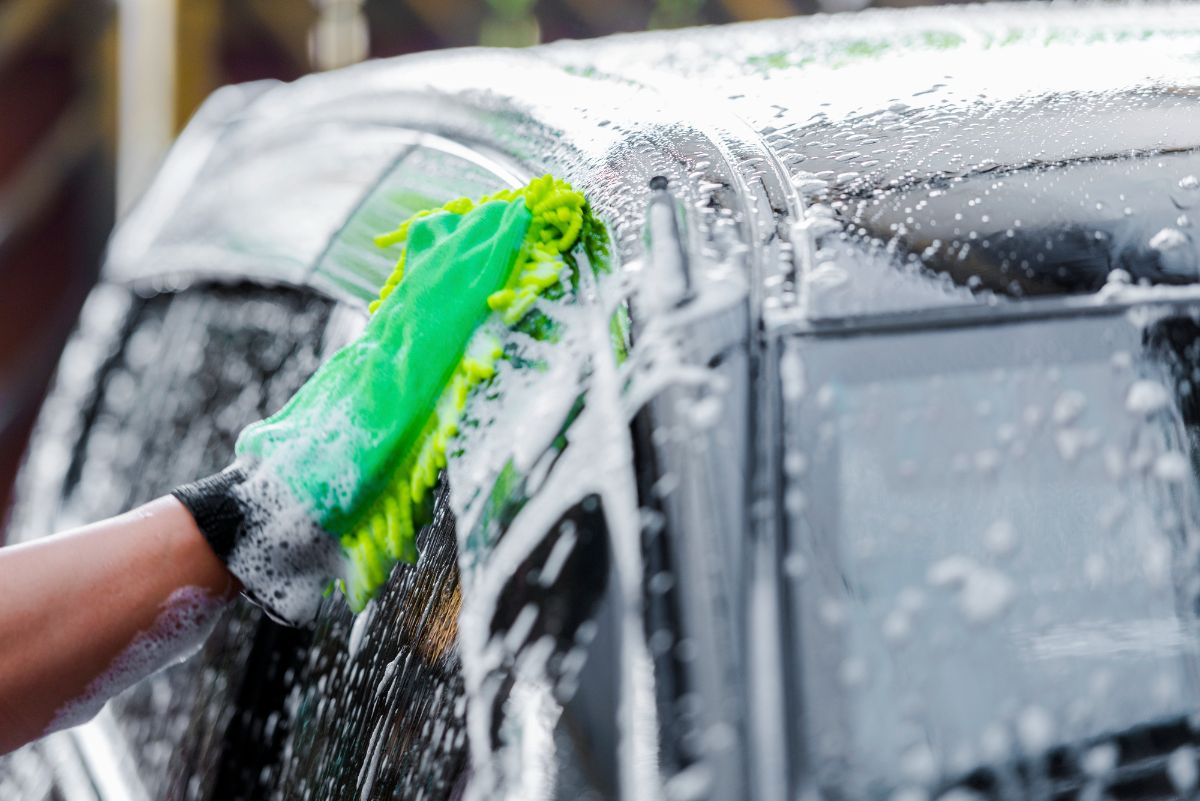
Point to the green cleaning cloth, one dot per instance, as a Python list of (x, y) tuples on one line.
[(354, 429), (336, 485)]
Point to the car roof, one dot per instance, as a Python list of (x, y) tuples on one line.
[(1025, 121), (809, 153)]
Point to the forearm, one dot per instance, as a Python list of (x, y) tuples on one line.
[(75, 602)]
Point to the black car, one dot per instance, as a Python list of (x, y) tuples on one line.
[(867, 471)]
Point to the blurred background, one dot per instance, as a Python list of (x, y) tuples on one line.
[(92, 92)]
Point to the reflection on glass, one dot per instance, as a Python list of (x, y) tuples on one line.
[(988, 529)]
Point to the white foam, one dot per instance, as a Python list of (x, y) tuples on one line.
[(1181, 767), (983, 592), (359, 629), (284, 559), (531, 413), (1146, 397), (186, 619)]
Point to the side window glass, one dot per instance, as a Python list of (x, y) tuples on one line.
[(425, 177), (991, 554), (265, 207)]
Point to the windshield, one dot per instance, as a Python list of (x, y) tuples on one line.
[(987, 532)]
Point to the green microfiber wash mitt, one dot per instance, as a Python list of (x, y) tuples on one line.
[(361, 444)]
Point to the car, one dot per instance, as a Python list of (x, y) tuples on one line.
[(866, 471)]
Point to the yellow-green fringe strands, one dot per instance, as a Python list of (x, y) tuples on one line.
[(559, 219)]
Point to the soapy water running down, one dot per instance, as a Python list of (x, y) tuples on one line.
[(187, 618)]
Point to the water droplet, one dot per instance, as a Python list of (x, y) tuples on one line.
[(853, 672), (1071, 442), (795, 565), (1000, 538), (1035, 729), (897, 626), (1069, 406), (987, 460), (983, 593), (1156, 562), (918, 764), (1175, 253), (1095, 568), (1181, 767), (828, 276), (1100, 760), (1187, 192), (995, 743), (1146, 397), (832, 613), (1172, 466)]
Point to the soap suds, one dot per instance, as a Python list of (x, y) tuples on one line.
[(1146, 397), (594, 462), (285, 560), (186, 619), (359, 629), (983, 592)]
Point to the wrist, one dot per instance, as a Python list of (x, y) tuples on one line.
[(215, 509), (188, 548), (249, 523)]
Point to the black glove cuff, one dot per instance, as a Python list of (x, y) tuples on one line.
[(214, 506), (284, 560)]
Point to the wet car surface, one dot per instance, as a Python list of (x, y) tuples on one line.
[(885, 488)]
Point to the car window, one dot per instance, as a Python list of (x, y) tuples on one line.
[(175, 378), (266, 208), (990, 533), (425, 177), (1036, 229)]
